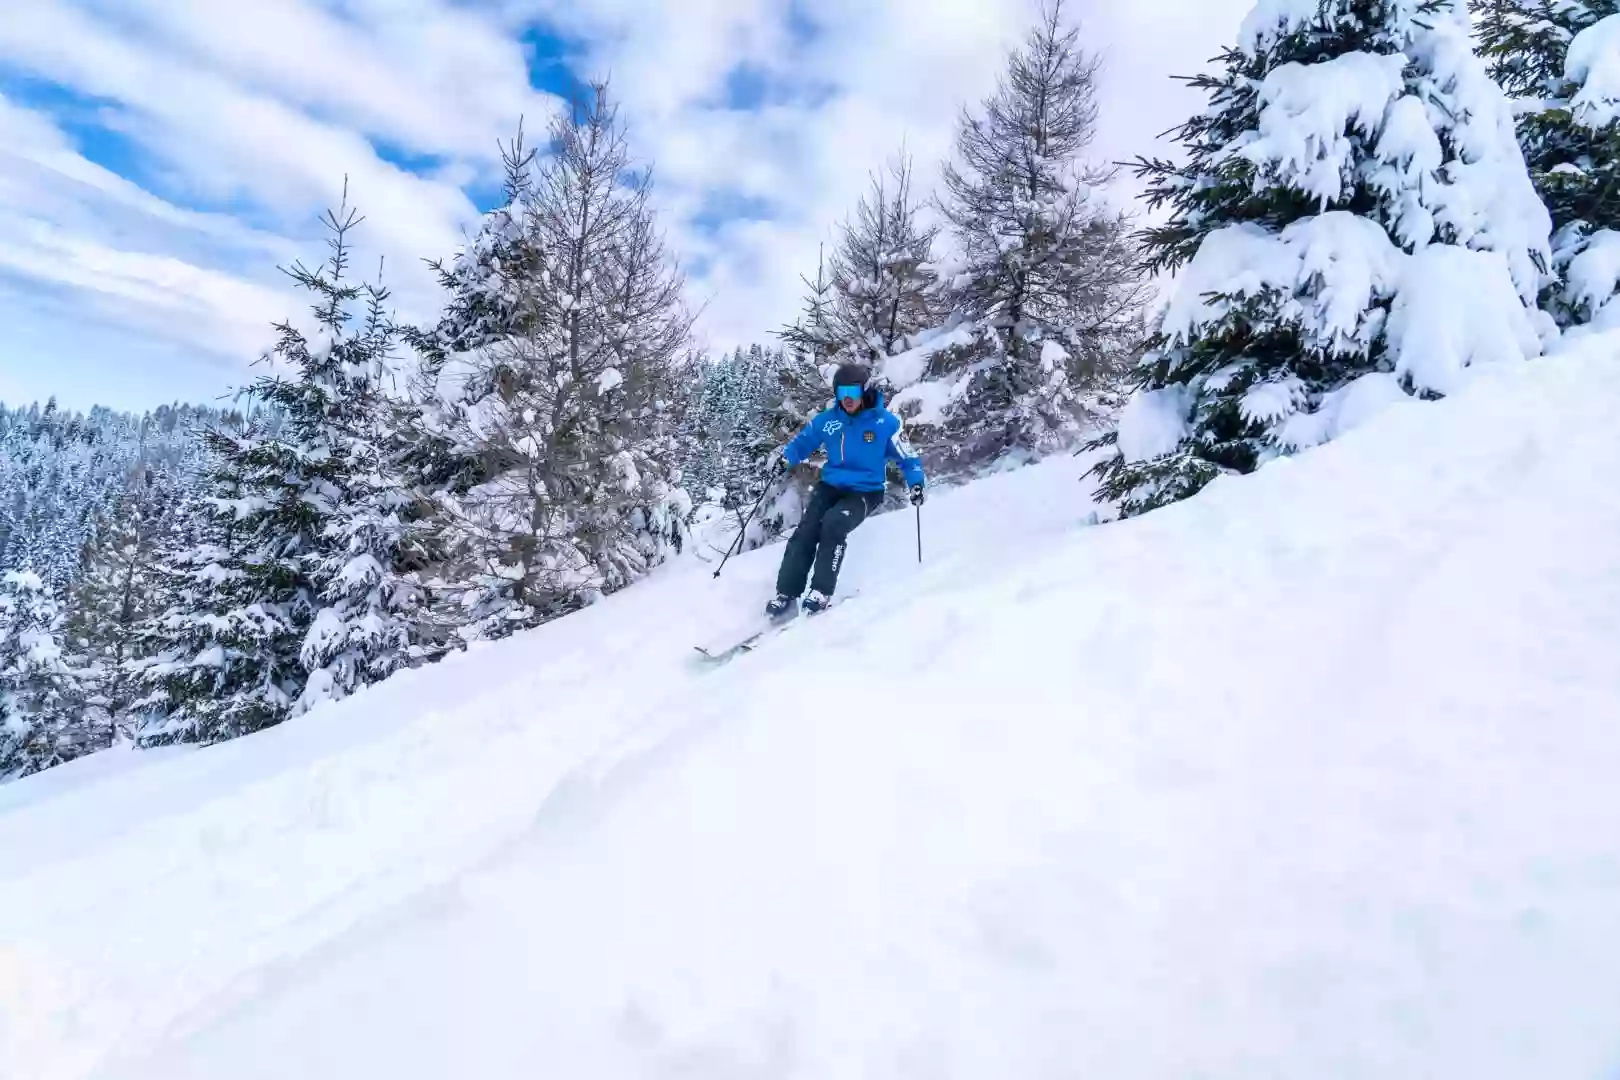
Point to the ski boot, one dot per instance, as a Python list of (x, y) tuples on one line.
[(815, 602), (780, 606)]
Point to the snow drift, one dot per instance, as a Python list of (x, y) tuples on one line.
[(1310, 775)]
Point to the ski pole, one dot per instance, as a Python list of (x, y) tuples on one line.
[(742, 532), (919, 532)]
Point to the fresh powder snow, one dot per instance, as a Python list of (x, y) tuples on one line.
[(1310, 775), (1593, 63), (1153, 422), (1593, 277)]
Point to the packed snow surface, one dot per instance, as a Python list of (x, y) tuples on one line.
[(1310, 776)]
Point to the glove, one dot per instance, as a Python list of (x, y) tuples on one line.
[(779, 465), (918, 495)]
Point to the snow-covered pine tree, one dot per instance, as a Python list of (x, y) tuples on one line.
[(484, 283), (441, 455), (1049, 285), (1353, 218), (365, 622), (881, 275), (62, 474), (486, 303), (210, 663), (574, 418), (118, 593), (724, 423), (294, 596), (38, 692), (1561, 60)]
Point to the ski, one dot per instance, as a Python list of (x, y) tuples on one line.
[(748, 640), (731, 645)]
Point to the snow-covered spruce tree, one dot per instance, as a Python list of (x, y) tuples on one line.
[(1049, 285), (1561, 60), (881, 275), (63, 473), (38, 692), (211, 662), (484, 283), (1353, 219), (439, 457), (120, 590), (724, 424), (60, 472), (363, 567), (486, 301), (574, 422), (295, 596)]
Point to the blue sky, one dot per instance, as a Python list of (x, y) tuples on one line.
[(160, 158)]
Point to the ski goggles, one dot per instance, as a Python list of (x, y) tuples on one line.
[(851, 393)]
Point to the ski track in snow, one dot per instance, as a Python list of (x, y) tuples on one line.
[(1312, 775)]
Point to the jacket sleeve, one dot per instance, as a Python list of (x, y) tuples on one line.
[(805, 443), (900, 450)]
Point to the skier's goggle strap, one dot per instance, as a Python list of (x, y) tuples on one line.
[(854, 393)]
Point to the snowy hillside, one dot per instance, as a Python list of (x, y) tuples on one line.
[(1312, 775)]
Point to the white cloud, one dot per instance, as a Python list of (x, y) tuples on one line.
[(261, 110), (258, 111), (60, 219), (166, 296), (225, 140), (429, 77)]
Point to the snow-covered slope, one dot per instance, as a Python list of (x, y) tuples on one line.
[(1313, 775)]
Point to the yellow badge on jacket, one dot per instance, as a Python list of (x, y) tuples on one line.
[(871, 436)]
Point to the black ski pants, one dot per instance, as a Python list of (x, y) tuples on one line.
[(819, 540)]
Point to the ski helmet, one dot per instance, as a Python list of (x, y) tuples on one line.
[(852, 375), (849, 384)]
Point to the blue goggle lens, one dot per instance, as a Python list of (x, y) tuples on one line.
[(850, 392)]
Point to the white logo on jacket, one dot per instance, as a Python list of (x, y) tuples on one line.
[(832, 425)]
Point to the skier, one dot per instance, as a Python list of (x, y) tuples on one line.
[(860, 437)]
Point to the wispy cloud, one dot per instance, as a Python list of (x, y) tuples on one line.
[(235, 125), (158, 158)]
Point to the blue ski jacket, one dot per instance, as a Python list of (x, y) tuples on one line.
[(858, 447)]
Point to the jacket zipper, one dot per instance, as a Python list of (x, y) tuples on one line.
[(841, 436)]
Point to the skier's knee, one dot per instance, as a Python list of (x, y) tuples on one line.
[(838, 524)]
